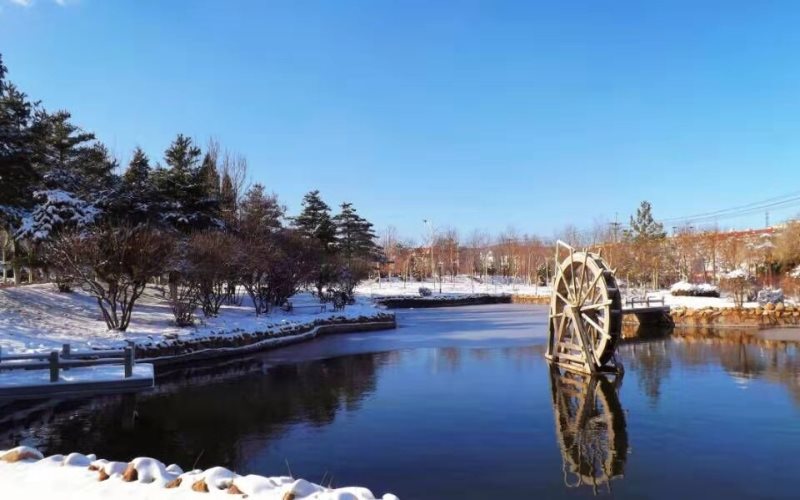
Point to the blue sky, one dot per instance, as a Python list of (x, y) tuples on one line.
[(471, 114)]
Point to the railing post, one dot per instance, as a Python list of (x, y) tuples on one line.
[(53, 366), (129, 361), (66, 350)]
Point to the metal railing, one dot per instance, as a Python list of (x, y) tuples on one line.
[(647, 301), (65, 359)]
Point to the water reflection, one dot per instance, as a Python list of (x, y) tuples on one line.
[(590, 427), (204, 415)]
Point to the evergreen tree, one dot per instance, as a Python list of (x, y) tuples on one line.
[(260, 214), (643, 226), (227, 201), (183, 190), (17, 175), (356, 238), (67, 157), (646, 237), (209, 176), (315, 220), (137, 174)]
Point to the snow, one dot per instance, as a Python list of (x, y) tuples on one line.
[(690, 302), (691, 289), (102, 373), (457, 287), (79, 477), (36, 318), (736, 274)]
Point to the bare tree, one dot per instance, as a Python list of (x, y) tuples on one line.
[(113, 264)]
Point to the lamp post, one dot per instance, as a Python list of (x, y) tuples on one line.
[(430, 237)]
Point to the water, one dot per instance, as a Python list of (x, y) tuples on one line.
[(460, 403)]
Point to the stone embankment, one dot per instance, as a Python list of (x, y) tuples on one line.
[(238, 342), (443, 301), (771, 315)]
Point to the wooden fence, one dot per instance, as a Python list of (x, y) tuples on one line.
[(65, 359)]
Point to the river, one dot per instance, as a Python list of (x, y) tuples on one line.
[(460, 403)]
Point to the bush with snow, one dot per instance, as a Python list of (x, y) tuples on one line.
[(425, 291), (686, 289), (738, 283), (769, 296)]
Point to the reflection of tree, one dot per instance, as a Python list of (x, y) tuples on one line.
[(652, 364), (590, 427), (208, 420)]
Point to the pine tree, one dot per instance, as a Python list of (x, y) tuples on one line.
[(183, 190), (260, 214), (60, 153), (17, 175), (356, 238), (138, 172), (209, 176), (227, 201), (644, 227), (315, 220)]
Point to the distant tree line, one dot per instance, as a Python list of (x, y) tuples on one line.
[(643, 252), (189, 222)]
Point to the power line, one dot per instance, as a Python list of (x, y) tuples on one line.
[(784, 201)]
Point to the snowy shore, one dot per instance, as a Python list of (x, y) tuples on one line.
[(36, 318), (25, 473)]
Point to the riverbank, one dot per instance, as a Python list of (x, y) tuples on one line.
[(25, 473), (769, 316), (37, 318)]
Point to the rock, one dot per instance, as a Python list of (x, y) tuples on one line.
[(200, 486), (233, 490), (289, 495), (769, 306), (21, 453), (102, 476), (174, 483), (130, 474)]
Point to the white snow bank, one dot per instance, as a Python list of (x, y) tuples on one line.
[(459, 285), (36, 318), (25, 474), (693, 289), (736, 274)]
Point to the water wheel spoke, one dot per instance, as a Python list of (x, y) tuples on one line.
[(599, 305), (600, 330)]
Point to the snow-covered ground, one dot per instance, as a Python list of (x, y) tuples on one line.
[(460, 285), (696, 302), (37, 318), (84, 477)]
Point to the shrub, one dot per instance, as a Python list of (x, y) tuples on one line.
[(425, 291), (684, 289), (113, 264), (737, 283)]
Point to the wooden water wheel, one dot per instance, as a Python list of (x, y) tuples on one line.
[(585, 312)]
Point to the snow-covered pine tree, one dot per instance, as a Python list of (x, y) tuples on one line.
[(183, 190), (18, 178), (55, 210)]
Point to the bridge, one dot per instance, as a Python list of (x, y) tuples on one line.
[(648, 311)]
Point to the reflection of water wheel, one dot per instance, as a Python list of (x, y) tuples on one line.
[(590, 427), (585, 311)]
